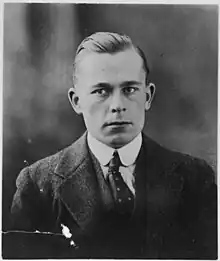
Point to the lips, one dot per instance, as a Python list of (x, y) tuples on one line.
[(117, 123)]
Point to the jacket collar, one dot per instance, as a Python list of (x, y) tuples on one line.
[(78, 154), (72, 157)]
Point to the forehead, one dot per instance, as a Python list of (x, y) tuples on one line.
[(122, 66)]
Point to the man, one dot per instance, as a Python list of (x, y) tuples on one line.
[(119, 193)]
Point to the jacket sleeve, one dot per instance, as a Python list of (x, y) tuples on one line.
[(25, 206)]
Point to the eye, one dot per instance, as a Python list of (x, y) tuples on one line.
[(130, 90), (100, 92)]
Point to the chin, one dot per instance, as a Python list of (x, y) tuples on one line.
[(119, 141)]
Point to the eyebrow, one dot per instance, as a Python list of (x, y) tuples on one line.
[(123, 84), (102, 85), (130, 83)]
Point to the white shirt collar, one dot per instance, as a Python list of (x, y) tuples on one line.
[(127, 153)]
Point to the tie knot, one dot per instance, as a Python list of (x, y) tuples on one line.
[(115, 162)]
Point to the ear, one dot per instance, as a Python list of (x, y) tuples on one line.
[(150, 91), (74, 100)]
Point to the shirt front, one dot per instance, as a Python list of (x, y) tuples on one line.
[(128, 155)]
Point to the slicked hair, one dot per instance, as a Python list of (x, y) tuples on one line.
[(106, 42)]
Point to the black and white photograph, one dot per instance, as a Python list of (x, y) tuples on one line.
[(109, 131)]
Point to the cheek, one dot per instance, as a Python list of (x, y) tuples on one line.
[(138, 104), (94, 109)]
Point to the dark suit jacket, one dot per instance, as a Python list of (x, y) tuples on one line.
[(177, 208)]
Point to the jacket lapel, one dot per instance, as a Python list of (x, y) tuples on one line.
[(79, 190), (161, 177), (162, 192)]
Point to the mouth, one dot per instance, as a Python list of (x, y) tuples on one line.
[(117, 123)]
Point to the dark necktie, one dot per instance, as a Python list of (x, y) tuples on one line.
[(124, 199)]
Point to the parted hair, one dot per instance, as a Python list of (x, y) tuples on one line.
[(107, 42)]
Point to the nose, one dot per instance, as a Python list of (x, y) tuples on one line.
[(117, 104)]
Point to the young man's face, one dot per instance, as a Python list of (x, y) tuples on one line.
[(111, 95)]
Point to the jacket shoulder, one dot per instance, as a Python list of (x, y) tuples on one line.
[(182, 164), (42, 169), (35, 170)]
